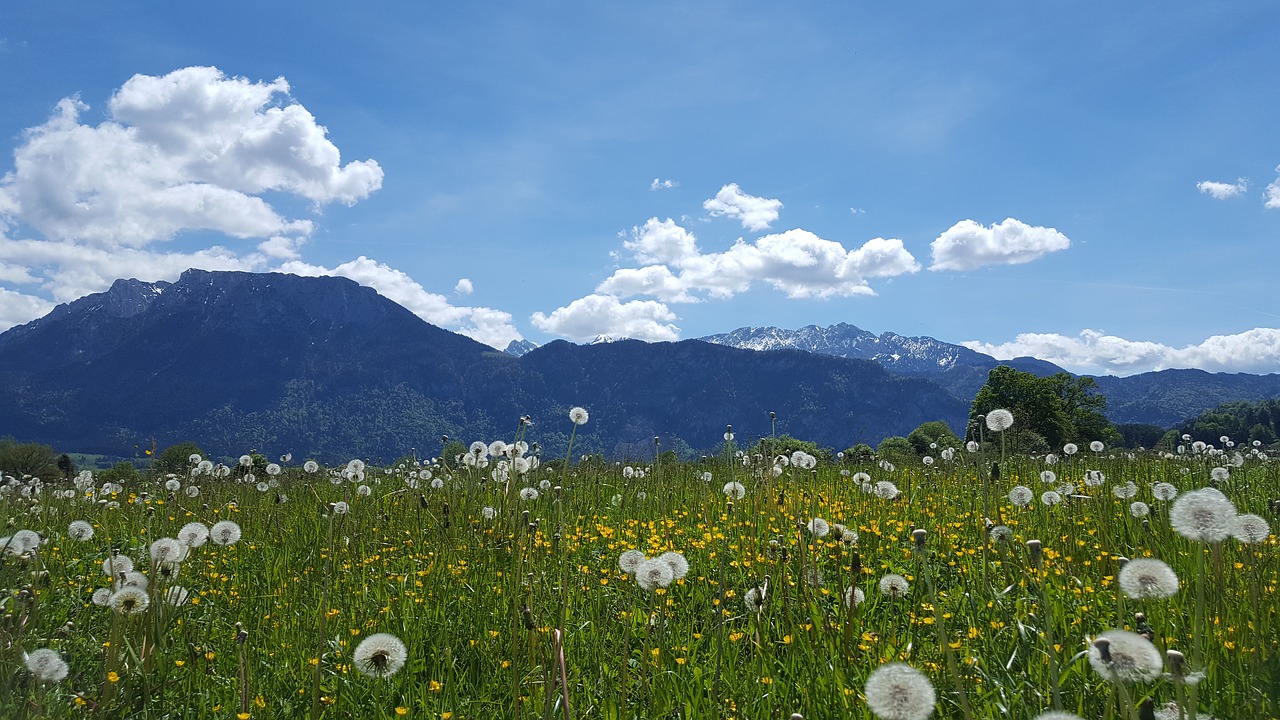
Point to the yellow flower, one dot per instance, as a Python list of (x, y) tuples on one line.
[(243, 716), (113, 677), (436, 686), (402, 710), (258, 701)]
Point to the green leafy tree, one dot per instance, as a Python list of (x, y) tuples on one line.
[(860, 453), (896, 448), (123, 472), (176, 458), (19, 459), (1054, 410), (934, 432), (785, 445)]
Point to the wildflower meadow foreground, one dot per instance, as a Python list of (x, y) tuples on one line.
[(1091, 583)]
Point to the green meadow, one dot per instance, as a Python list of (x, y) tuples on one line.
[(503, 585)]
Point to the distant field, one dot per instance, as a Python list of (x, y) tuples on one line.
[(508, 605)]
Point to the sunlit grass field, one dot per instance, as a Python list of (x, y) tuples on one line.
[(515, 606)]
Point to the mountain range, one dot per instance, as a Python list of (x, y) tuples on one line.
[(323, 367)]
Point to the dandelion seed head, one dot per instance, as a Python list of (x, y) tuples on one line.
[(818, 527), (46, 665), (1048, 477), (1096, 446), (1123, 656), (579, 416), (894, 586), (886, 490), (117, 564), (1050, 498), (853, 596), (630, 560), (1021, 496), (1250, 529), (679, 565), (529, 494), (1070, 449), (80, 530), (753, 599), (380, 655), (999, 420), (167, 550), (129, 600), (654, 573), (1148, 578), (1204, 515), (224, 532), (734, 490), (1139, 509), (897, 691), (1125, 491)]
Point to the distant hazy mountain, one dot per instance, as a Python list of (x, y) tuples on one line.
[(322, 367)]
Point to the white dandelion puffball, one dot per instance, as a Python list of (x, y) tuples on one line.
[(488, 513), (46, 665), (1050, 498), (886, 490), (679, 565), (654, 573), (1021, 496), (1125, 491), (529, 494), (1123, 656), (1250, 529), (167, 550), (1205, 515), (117, 564), (310, 466), (193, 534), (1163, 491), (224, 532), (753, 599), (971, 446), (897, 691), (338, 508), (579, 416), (1148, 578), (1048, 477), (734, 490), (380, 655), (1070, 449), (80, 530), (1139, 509), (999, 419), (176, 595), (819, 527), (129, 600), (1057, 715), (1096, 446), (894, 586), (630, 560), (853, 596), (1220, 474)]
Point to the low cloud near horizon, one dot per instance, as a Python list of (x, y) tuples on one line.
[(1094, 352)]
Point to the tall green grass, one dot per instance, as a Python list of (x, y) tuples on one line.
[(491, 608)]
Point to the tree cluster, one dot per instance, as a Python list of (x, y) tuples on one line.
[(1048, 411)]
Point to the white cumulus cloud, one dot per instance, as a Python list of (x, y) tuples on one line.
[(658, 184), (487, 325), (464, 286), (594, 315), (755, 213), (1271, 198), (190, 151), (1095, 352), (797, 262), (1221, 190), (968, 245)]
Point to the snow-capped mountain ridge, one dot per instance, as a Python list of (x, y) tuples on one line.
[(895, 352)]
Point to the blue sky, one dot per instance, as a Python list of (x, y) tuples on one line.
[(1089, 183)]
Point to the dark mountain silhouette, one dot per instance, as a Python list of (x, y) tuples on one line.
[(322, 367)]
